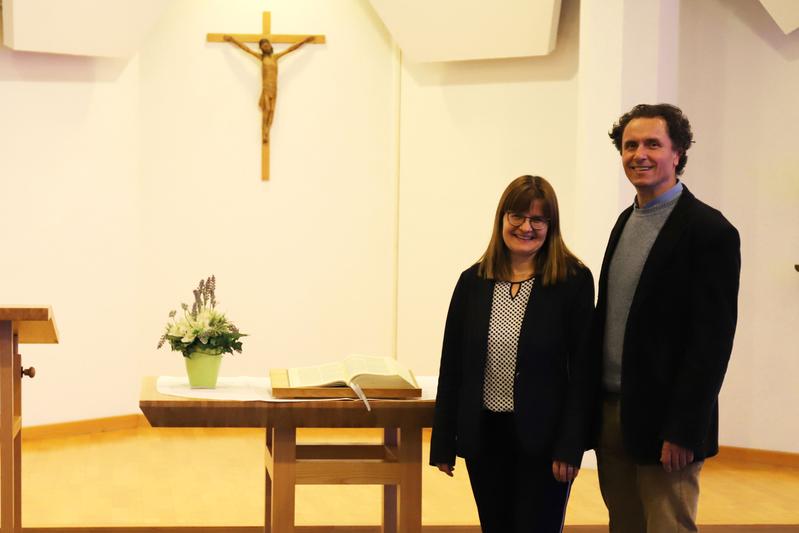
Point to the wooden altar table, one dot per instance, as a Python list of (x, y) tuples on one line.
[(395, 464)]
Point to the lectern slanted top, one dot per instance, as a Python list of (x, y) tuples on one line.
[(31, 324)]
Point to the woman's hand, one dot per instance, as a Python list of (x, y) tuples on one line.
[(447, 469), (563, 472)]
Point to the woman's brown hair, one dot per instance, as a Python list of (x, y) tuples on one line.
[(553, 262)]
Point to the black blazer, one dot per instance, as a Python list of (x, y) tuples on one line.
[(679, 332), (552, 389)]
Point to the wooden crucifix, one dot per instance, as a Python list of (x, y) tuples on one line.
[(268, 61)]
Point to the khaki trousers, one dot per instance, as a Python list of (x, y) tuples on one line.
[(642, 498)]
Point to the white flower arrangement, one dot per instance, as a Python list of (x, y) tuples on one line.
[(203, 328)]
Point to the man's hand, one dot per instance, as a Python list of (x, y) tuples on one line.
[(447, 469), (564, 472), (674, 457)]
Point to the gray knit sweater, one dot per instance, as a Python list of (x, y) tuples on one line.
[(628, 260)]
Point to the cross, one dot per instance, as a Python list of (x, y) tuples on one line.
[(268, 71)]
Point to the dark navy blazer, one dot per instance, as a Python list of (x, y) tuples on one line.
[(552, 388), (679, 332)]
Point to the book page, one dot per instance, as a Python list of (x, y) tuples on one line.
[(373, 381), (393, 374), (368, 364), (318, 376)]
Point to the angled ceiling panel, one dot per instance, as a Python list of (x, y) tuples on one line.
[(784, 12), (106, 28), (455, 30)]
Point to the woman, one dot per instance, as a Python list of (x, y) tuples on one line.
[(513, 389)]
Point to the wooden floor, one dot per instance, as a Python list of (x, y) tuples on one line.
[(214, 477)]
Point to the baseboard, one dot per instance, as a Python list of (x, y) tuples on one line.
[(753, 455), (260, 529), (84, 427), (115, 423), (731, 528)]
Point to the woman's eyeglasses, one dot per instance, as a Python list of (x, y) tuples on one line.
[(537, 223)]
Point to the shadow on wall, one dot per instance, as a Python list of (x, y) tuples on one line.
[(561, 64), (755, 16), (37, 66)]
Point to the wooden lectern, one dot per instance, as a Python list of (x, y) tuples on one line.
[(18, 324)]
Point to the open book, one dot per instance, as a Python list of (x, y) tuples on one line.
[(364, 371)]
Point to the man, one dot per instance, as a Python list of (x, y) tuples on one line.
[(665, 322)]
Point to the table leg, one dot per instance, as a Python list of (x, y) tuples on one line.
[(410, 489), (16, 370), (284, 454), (7, 456), (390, 438), (268, 484)]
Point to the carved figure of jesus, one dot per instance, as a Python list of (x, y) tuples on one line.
[(268, 60)]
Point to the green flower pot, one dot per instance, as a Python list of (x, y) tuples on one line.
[(203, 369)]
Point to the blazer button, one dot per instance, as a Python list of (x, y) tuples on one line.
[(518, 374)]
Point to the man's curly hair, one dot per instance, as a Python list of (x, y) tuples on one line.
[(677, 126)]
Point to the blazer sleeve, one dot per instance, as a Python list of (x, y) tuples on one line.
[(713, 309), (573, 433), (443, 441)]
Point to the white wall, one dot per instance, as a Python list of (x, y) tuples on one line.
[(468, 129), (305, 261), (68, 181), (125, 182), (738, 83)]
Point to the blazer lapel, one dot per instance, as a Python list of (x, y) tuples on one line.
[(483, 295), (663, 246)]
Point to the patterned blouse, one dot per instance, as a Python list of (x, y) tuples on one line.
[(507, 314)]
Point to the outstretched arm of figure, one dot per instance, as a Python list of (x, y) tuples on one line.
[(294, 46), (234, 41)]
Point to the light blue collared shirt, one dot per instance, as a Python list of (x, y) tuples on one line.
[(671, 194)]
